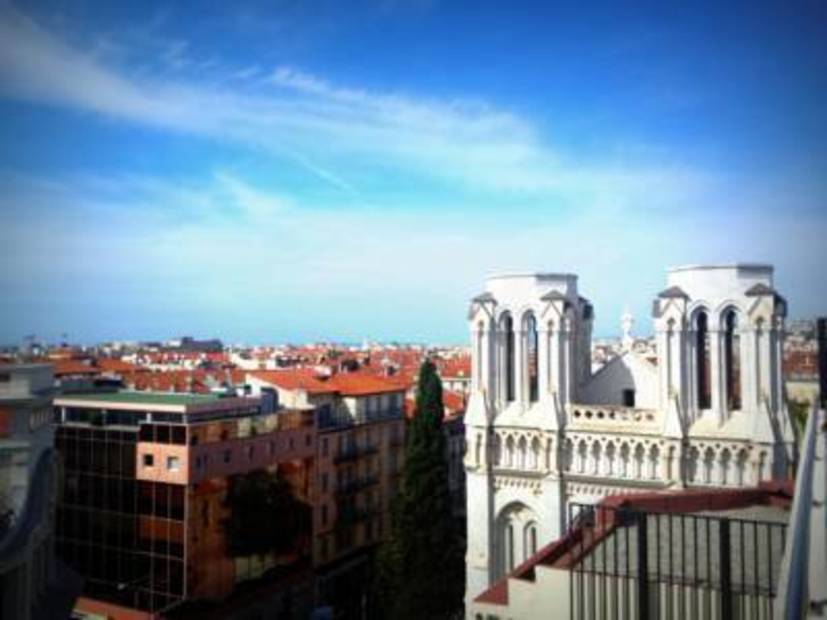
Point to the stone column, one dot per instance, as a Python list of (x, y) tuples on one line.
[(717, 378), (520, 373)]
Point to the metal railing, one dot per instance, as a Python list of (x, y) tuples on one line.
[(628, 563), (354, 486), (805, 555), (352, 453)]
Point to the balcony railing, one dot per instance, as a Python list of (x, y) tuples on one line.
[(352, 453), (609, 414), (355, 486), (330, 420), (629, 563)]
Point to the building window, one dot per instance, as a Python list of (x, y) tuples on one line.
[(173, 463), (324, 514), (251, 452), (149, 460), (228, 455), (507, 334), (324, 482), (702, 361), (324, 446), (307, 439), (532, 358), (291, 443), (628, 398), (732, 361)]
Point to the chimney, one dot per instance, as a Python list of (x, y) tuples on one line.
[(822, 361)]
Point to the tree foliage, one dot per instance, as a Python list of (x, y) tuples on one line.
[(265, 515), (421, 569)]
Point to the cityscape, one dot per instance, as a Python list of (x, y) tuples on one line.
[(412, 309)]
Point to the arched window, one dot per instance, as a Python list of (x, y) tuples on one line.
[(640, 455), (610, 459), (509, 451), (532, 343), (507, 328), (692, 465), (582, 456), (740, 468), (709, 463), (703, 378), (597, 453), (534, 454), (522, 449), (509, 547), (530, 542), (478, 369), (732, 361), (725, 462), (624, 460)]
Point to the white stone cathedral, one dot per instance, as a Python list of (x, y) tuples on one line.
[(543, 431)]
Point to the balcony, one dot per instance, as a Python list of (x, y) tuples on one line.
[(328, 420), (353, 453), (355, 486)]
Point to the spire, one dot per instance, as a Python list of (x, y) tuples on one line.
[(627, 322)]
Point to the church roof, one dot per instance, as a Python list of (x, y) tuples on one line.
[(759, 290), (673, 292), (553, 296), (483, 297)]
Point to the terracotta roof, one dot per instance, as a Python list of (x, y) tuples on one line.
[(455, 368), (305, 379), (108, 364), (74, 367), (454, 402), (359, 384)]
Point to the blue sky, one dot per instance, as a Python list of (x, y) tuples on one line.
[(294, 171)]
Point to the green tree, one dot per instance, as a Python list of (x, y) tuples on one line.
[(265, 515), (422, 568)]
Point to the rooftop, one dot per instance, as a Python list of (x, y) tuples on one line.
[(157, 401)]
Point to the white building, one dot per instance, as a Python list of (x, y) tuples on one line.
[(33, 584), (544, 432)]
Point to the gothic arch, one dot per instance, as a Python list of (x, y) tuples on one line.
[(702, 345), (522, 452), (724, 462), (531, 355), (610, 458), (513, 546), (507, 351), (731, 320)]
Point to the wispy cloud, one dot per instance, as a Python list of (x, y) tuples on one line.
[(323, 127), (239, 259)]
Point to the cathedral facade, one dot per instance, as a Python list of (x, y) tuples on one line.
[(543, 431)]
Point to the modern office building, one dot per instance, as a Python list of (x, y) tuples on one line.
[(165, 495)]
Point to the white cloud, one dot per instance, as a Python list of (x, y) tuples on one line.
[(322, 127)]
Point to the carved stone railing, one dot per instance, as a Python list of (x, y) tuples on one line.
[(609, 415)]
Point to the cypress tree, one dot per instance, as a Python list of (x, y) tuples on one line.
[(421, 569)]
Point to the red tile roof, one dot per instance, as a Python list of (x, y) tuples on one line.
[(73, 367), (345, 384)]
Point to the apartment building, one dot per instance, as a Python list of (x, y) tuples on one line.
[(360, 452), (163, 492)]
